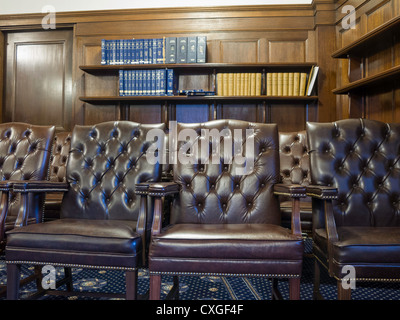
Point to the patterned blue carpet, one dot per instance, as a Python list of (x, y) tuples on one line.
[(210, 288)]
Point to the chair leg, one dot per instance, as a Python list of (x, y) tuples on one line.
[(155, 287), (343, 294), (294, 288), (317, 280), (68, 277), (13, 280), (131, 284)]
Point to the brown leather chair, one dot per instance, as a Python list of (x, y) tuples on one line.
[(58, 167), (103, 223), (356, 195), (24, 155), (295, 169), (225, 222)]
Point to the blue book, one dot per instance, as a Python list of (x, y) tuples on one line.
[(170, 50), (153, 82), (163, 82), (192, 50), (201, 49), (154, 48), (141, 56), (139, 82), (146, 51), (128, 51), (136, 51), (103, 51), (112, 52), (182, 50), (121, 83), (170, 82), (160, 51), (118, 51), (134, 83)]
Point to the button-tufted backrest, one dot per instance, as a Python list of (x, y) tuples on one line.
[(294, 158), (24, 155), (59, 156), (360, 157), (217, 191), (105, 162)]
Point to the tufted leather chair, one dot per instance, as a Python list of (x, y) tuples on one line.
[(295, 169), (355, 174), (223, 221), (103, 224), (24, 155), (58, 166)]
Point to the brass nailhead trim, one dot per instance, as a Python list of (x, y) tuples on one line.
[(226, 274), (71, 265)]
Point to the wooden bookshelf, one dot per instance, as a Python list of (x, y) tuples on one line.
[(209, 69), (379, 34)]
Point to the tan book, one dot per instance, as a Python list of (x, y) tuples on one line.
[(220, 87), (246, 84), (253, 84), (242, 84), (303, 82), (225, 83), (235, 87), (296, 84), (230, 84), (274, 84), (285, 91), (290, 84), (280, 83), (258, 84), (269, 84)]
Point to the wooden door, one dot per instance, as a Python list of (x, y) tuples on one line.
[(38, 86)]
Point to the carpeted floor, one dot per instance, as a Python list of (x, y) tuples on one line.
[(211, 288)]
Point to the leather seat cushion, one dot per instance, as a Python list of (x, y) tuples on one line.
[(78, 235), (76, 241), (358, 245), (227, 241)]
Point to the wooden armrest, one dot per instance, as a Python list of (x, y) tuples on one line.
[(39, 186), (322, 192), (161, 189), (290, 190)]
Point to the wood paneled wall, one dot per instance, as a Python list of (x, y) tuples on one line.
[(381, 102), (287, 33)]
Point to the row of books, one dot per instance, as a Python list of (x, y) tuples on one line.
[(154, 51), (239, 84), (155, 82), (291, 83)]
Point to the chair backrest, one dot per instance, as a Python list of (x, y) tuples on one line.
[(25, 151), (59, 156), (105, 162), (360, 158), (294, 158), (218, 192)]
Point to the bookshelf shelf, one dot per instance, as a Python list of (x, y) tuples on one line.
[(379, 78), (111, 100), (380, 34), (206, 67)]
